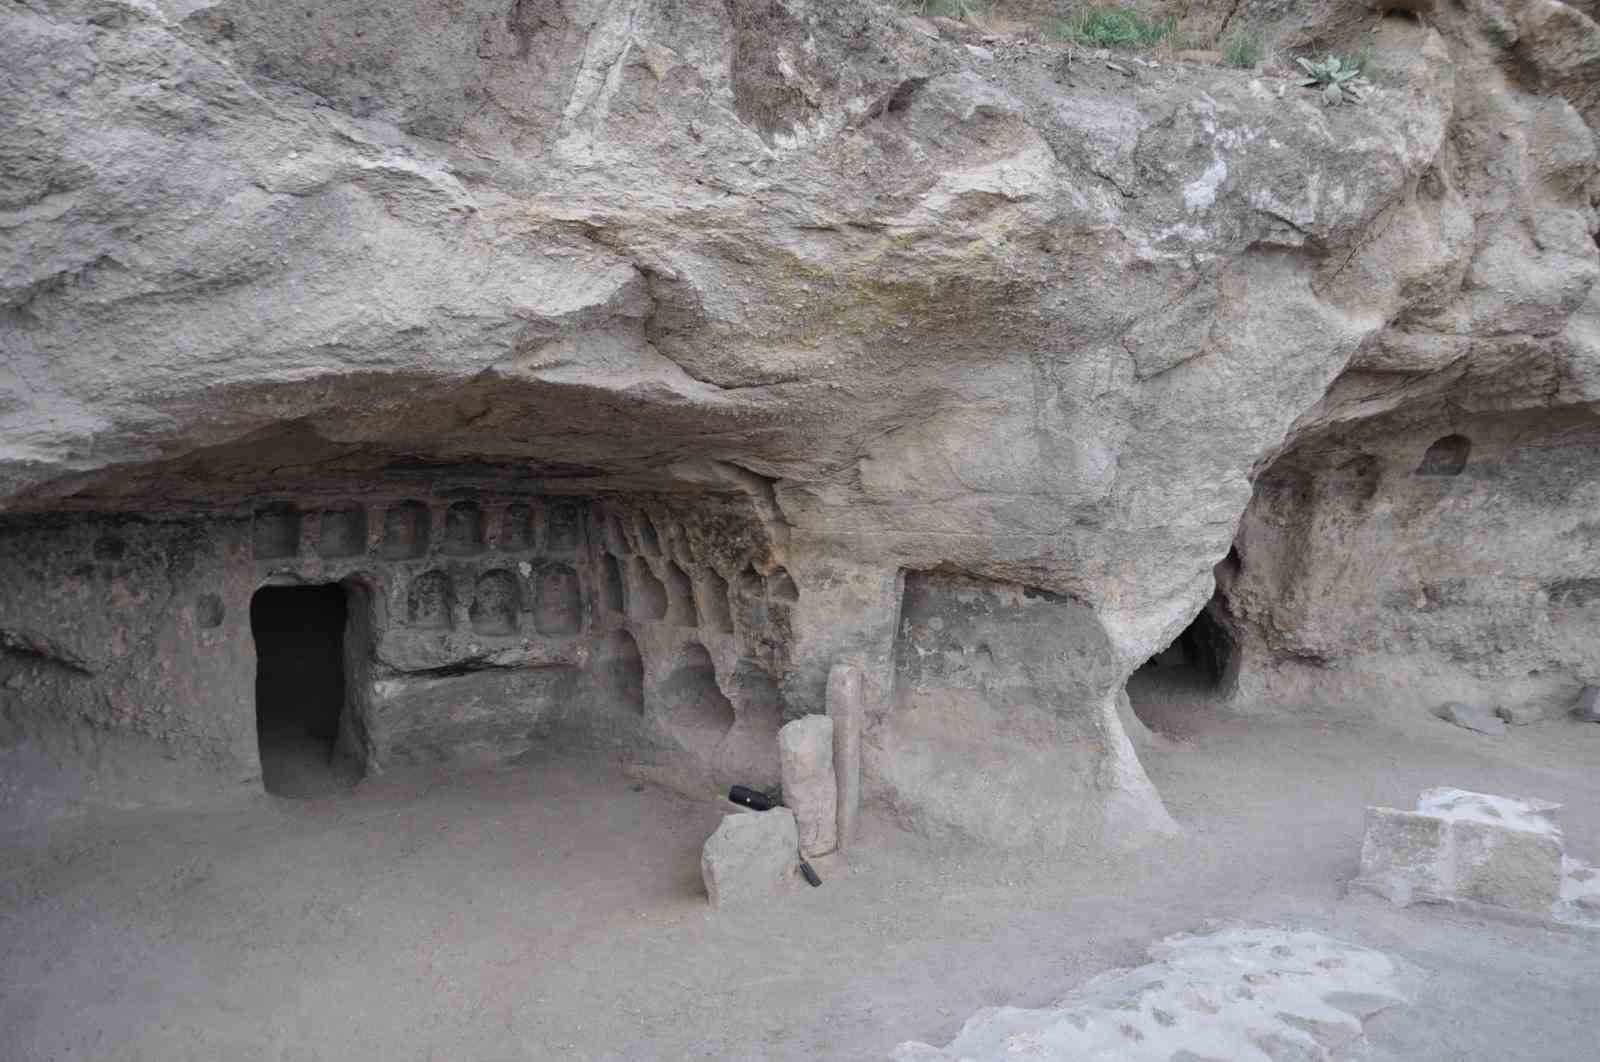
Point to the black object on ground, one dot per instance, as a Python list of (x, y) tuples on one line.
[(751, 798), (810, 875)]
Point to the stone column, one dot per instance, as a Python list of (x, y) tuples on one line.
[(846, 708)]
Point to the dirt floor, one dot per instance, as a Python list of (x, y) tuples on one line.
[(553, 910)]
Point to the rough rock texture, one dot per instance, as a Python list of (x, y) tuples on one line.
[(805, 755), (1465, 847), (753, 857), (901, 324), (1250, 995)]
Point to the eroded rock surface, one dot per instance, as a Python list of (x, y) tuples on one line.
[(888, 325), (1247, 994)]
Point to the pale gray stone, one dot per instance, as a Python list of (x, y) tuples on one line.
[(846, 709), (1471, 717), (1504, 867), (1405, 856), (751, 858), (1226, 995), (1521, 714), (1462, 846), (805, 752)]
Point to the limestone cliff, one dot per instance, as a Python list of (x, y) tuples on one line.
[(833, 294)]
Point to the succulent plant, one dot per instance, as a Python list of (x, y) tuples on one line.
[(1339, 81)]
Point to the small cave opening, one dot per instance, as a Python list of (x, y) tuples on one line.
[(1446, 457), (299, 636), (1187, 674)]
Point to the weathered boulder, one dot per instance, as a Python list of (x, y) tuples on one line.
[(751, 858), (1472, 717), (805, 749), (1521, 714)]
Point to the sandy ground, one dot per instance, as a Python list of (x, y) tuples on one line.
[(553, 910)]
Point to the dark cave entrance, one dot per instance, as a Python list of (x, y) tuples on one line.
[(1192, 671), (300, 687)]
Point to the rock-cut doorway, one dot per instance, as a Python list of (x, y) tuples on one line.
[(299, 635)]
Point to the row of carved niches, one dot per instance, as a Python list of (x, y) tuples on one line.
[(659, 590), (413, 530), (547, 600)]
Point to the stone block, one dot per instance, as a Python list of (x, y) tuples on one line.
[(751, 858), (1471, 717), (1463, 846), (805, 750), (847, 709), (1404, 855), (1520, 714)]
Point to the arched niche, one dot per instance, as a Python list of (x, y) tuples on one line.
[(620, 671), (343, 532), (714, 603), (565, 528), (691, 703), (495, 603), (647, 598), (463, 530), (406, 529), (430, 601), (516, 528), (558, 601), (275, 533), (680, 598)]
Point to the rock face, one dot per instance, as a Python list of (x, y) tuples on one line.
[(1246, 994), (1462, 846), (632, 365), (751, 859)]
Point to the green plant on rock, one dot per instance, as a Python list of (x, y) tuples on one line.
[(1243, 49), (1336, 82), (1360, 61), (1116, 27)]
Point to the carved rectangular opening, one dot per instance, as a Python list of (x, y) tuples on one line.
[(299, 635)]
